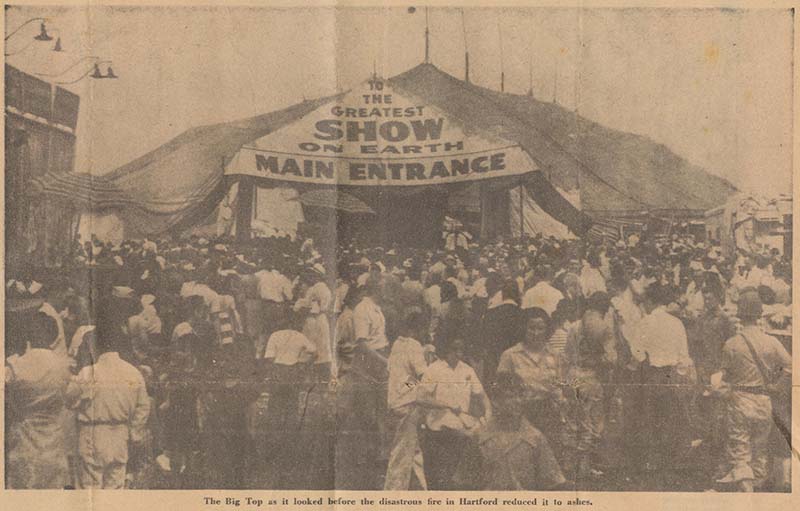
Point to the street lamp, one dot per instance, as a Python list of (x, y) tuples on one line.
[(43, 29), (98, 75), (57, 46), (43, 35), (94, 73)]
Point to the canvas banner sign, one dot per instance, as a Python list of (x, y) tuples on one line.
[(377, 136)]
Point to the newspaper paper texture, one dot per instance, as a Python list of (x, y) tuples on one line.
[(398, 256)]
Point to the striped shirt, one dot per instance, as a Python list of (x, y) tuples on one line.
[(557, 341)]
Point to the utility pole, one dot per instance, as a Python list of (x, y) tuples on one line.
[(427, 39)]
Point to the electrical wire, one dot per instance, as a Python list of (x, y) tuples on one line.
[(72, 66), (84, 75), (21, 49)]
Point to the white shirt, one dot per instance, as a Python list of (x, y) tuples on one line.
[(318, 298), (194, 289), (437, 267), (289, 347), (78, 338), (432, 297), (455, 239), (454, 388), (406, 366), (362, 279), (273, 286), (146, 321), (317, 329), (370, 324), (663, 337), (341, 292), (60, 343), (542, 295), (180, 330), (629, 312), (592, 281), (113, 391), (413, 286), (495, 301), (461, 290), (757, 277), (478, 288)]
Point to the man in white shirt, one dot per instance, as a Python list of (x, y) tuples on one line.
[(543, 294), (319, 296), (273, 286), (660, 337), (628, 311), (191, 287), (275, 290), (406, 367), (288, 357), (38, 390), (112, 412), (659, 344), (760, 274), (447, 389), (369, 322), (289, 348)]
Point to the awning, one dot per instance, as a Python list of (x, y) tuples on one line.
[(335, 200)]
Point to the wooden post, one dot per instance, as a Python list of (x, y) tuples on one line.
[(244, 208)]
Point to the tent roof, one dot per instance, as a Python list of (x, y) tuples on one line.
[(617, 170), (182, 181)]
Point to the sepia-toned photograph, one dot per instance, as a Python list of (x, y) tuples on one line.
[(406, 248)]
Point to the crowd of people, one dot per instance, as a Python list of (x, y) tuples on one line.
[(517, 364)]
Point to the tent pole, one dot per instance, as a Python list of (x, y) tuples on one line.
[(521, 214), (244, 208), (484, 214), (466, 47)]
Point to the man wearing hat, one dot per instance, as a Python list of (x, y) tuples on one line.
[(749, 359)]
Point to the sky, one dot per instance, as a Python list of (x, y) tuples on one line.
[(715, 86)]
